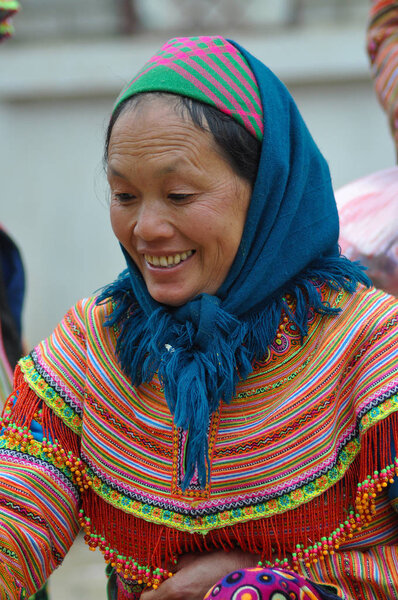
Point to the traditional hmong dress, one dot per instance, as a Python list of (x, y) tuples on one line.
[(301, 461)]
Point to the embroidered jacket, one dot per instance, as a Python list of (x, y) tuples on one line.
[(301, 462)]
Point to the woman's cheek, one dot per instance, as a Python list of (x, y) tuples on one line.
[(113, 218), (119, 221)]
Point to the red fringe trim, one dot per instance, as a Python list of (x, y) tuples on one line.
[(307, 532), (27, 403), (29, 406), (278, 535), (133, 545), (24, 406)]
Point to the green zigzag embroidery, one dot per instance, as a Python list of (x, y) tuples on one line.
[(273, 506), (35, 449), (50, 396), (207, 523)]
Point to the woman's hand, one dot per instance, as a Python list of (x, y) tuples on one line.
[(195, 574)]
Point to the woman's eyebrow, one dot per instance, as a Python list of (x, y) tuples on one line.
[(115, 172), (165, 170)]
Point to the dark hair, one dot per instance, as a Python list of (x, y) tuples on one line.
[(239, 147)]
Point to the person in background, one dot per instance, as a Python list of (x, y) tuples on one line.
[(230, 401), (368, 211), (8, 8), (12, 279), (368, 207), (12, 282), (382, 46), (12, 289)]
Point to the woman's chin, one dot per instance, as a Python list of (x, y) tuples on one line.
[(170, 297)]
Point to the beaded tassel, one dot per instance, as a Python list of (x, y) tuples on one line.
[(21, 438), (365, 511), (126, 566)]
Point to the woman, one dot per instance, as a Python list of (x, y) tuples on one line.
[(231, 398), (368, 212), (368, 207), (382, 46)]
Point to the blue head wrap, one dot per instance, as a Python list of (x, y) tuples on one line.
[(289, 245)]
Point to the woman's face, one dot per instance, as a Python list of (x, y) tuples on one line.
[(177, 206)]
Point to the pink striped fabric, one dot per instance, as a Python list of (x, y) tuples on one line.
[(207, 69)]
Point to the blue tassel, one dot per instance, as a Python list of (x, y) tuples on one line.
[(200, 365)]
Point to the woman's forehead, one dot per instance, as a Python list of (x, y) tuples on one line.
[(157, 128)]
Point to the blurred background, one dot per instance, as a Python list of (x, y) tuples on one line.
[(66, 63), (59, 77)]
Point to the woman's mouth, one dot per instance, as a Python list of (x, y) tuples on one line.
[(168, 260)]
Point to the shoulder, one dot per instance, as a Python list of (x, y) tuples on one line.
[(57, 366), (81, 319), (364, 338), (367, 309), (361, 339), (366, 325), (88, 311)]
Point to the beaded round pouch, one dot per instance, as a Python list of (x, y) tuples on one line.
[(268, 584)]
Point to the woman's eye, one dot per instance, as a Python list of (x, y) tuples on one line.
[(180, 197), (123, 197)]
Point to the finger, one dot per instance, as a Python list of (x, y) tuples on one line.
[(163, 592)]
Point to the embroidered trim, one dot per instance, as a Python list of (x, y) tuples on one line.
[(50, 396), (203, 520), (377, 411), (19, 440), (143, 575), (203, 523), (54, 383), (193, 491), (8, 552), (288, 339), (356, 520)]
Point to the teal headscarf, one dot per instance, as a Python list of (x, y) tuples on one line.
[(289, 245)]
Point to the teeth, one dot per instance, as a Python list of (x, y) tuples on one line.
[(168, 260)]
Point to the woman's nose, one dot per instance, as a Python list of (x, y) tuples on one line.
[(153, 222)]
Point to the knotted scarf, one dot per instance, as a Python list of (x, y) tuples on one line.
[(289, 245)]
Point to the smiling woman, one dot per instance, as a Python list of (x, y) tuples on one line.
[(231, 399), (177, 206)]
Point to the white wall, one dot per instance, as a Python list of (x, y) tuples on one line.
[(54, 104)]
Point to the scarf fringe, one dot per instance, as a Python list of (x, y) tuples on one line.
[(200, 366)]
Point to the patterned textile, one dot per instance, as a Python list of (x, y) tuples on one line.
[(300, 460), (383, 52), (208, 69), (7, 9), (266, 584), (216, 337), (38, 505)]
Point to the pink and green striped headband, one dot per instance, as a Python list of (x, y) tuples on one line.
[(207, 69)]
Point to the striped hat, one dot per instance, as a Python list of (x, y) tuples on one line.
[(7, 9), (207, 69)]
